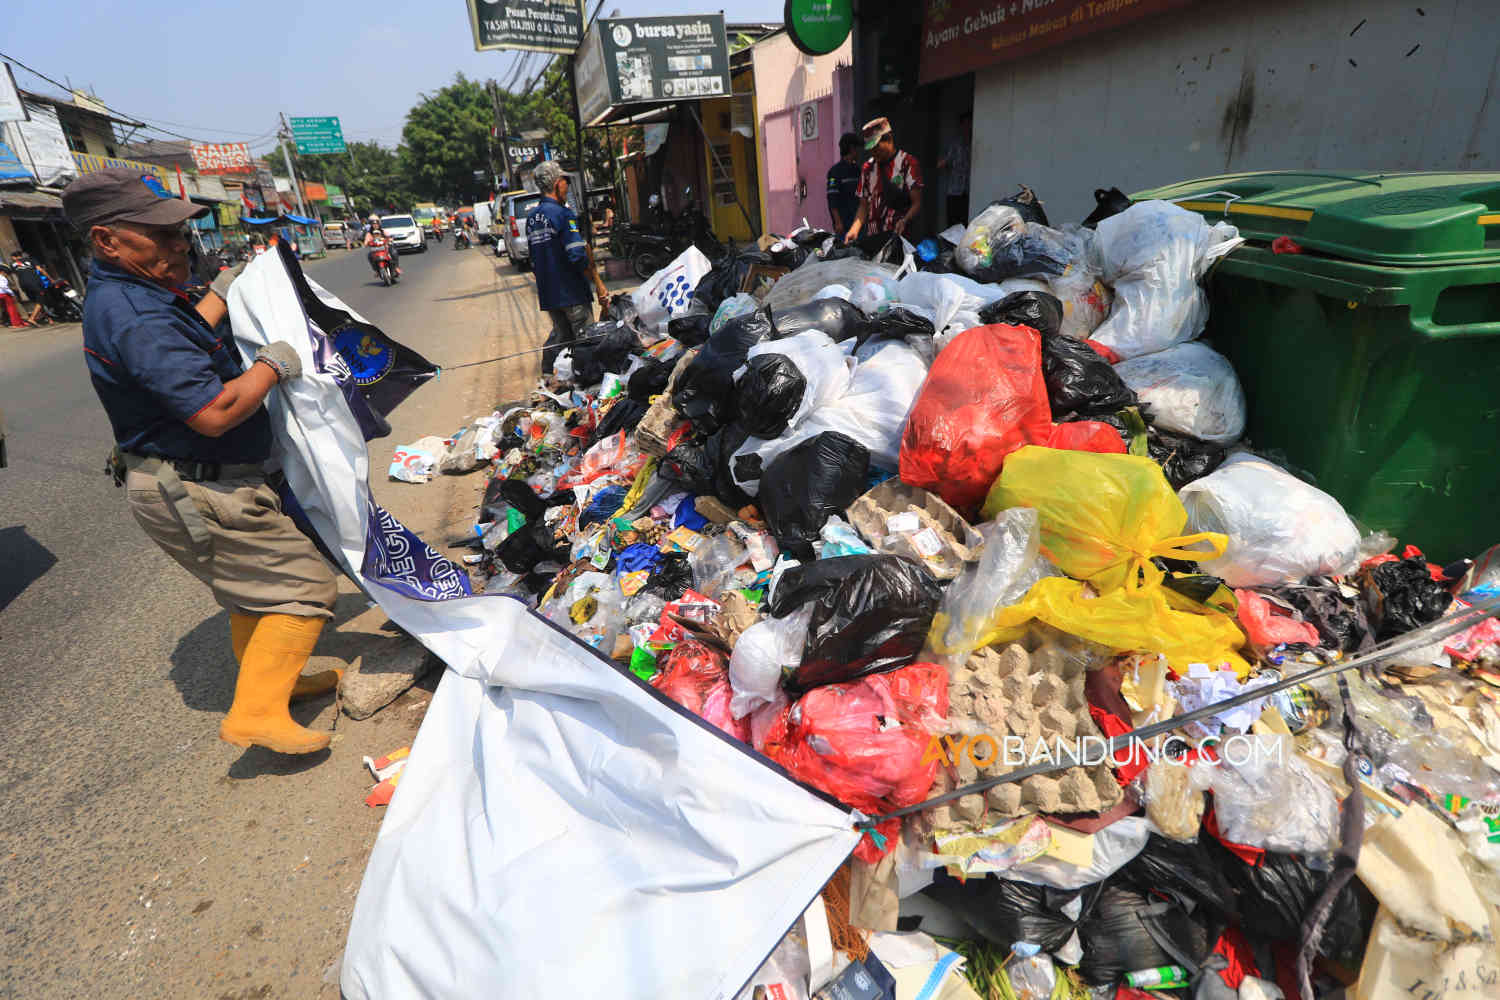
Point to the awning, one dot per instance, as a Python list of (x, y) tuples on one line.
[(30, 204)]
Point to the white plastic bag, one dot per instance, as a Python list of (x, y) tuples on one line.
[(1154, 254), (827, 367), (765, 649), (834, 292), (1280, 529), (737, 304), (416, 462), (952, 308), (670, 290), (1191, 389), (1084, 296), (1264, 796), (1010, 562), (872, 412)]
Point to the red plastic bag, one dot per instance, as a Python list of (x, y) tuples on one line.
[(1087, 435), (1268, 625), (697, 678), (983, 398), (863, 742)]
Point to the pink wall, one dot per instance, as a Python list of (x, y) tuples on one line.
[(793, 171)]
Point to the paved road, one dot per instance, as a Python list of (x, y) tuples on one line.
[(139, 855)]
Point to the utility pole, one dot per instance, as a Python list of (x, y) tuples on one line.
[(504, 135), (286, 137), (583, 175)]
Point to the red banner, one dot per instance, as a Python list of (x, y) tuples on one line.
[(222, 158), (960, 36)]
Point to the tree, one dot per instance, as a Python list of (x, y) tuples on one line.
[(446, 139), (370, 174)]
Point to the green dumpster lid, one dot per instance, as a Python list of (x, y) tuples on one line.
[(1402, 218)]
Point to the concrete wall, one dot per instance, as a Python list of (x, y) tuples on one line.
[(1215, 88), (793, 171)]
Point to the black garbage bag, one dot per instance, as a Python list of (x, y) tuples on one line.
[(789, 254), (520, 496), (1189, 873), (871, 613), (688, 466), (530, 545), (721, 448), (809, 483), (1182, 457), (1400, 596), (1005, 912), (705, 389), (690, 327), (767, 396), (1106, 203), (1027, 204), (650, 379), (1080, 382), (727, 277), (1038, 310), (1274, 897), (1121, 933), (943, 263), (623, 416), (835, 317), (882, 248), (1341, 622), (896, 323), (605, 347), (671, 577), (846, 253)]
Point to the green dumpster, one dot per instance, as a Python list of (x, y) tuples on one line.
[(1371, 360)]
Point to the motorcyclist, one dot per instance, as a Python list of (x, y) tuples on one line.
[(375, 237), (437, 229)]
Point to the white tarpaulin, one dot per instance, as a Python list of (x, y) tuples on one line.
[(561, 829)]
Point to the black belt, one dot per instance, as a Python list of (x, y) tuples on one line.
[(204, 472)]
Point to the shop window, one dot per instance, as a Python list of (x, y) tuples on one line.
[(73, 132)]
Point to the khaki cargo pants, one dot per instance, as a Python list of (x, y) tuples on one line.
[(249, 552)]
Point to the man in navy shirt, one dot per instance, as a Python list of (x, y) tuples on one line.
[(562, 262), (192, 442), (843, 184)]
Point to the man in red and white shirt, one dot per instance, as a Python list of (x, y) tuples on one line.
[(890, 185)]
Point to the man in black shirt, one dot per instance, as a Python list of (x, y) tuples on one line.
[(843, 184)]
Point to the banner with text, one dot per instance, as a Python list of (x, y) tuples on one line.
[(532, 25), (222, 158), (651, 60), (961, 36)]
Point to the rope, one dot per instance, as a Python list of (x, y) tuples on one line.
[(521, 354), (1428, 634)]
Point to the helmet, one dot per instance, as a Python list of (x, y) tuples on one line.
[(373, 218)]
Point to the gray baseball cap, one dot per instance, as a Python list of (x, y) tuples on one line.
[(124, 194)]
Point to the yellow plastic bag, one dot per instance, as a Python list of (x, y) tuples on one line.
[(1103, 517), (1151, 619)]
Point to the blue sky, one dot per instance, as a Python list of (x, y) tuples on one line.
[(197, 68)]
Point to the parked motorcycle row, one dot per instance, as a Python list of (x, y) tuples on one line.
[(651, 247)]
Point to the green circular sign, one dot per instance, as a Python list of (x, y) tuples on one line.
[(817, 27)]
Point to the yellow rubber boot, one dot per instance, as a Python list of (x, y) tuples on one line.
[(274, 656), (242, 626)]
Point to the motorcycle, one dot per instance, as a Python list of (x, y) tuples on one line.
[(384, 266), (651, 249), (461, 240), (62, 303)]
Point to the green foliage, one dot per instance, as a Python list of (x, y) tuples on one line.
[(370, 174), (446, 139)]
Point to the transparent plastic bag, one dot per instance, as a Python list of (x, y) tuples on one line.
[(1154, 254), (803, 284), (764, 653), (736, 305), (1279, 528), (591, 608), (839, 539), (1032, 978), (1009, 564), (714, 561), (1264, 796), (991, 230), (1192, 389)]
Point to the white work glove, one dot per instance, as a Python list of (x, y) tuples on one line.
[(220, 285), (283, 359)]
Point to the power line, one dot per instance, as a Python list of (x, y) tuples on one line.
[(149, 123)]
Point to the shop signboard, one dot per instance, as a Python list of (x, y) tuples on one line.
[(314, 136), (41, 145), (818, 27), (531, 25), (633, 61), (961, 36), (11, 107), (222, 158)]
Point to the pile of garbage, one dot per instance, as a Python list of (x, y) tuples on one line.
[(909, 520)]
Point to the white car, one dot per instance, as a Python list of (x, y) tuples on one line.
[(403, 232)]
